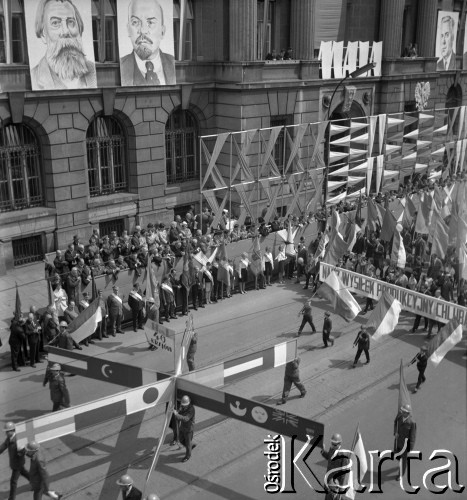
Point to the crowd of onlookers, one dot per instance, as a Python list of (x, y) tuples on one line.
[(193, 234)]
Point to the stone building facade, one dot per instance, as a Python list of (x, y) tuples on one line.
[(117, 156)]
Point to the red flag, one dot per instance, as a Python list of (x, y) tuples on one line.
[(440, 236), (375, 215), (223, 274), (337, 245), (256, 261), (18, 313), (404, 396), (409, 213), (389, 226), (445, 340), (422, 224)]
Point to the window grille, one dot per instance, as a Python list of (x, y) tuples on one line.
[(180, 147), (20, 169), (106, 227), (106, 157), (27, 250)]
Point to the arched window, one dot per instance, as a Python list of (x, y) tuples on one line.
[(106, 156), (20, 169), (180, 147)]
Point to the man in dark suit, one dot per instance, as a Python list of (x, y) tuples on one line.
[(136, 303), (115, 310), (129, 492), (447, 31), (147, 64), (17, 458)]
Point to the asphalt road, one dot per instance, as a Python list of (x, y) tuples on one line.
[(229, 462)]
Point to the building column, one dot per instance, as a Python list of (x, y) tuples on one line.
[(302, 29), (426, 27), (390, 28), (243, 26)]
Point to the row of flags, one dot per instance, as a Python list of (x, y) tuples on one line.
[(385, 316)]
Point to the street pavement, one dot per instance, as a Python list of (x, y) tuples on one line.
[(228, 462)]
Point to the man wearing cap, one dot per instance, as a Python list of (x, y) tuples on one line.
[(115, 308), (136, 304), (17, 459), (292, 376), (129, 491), (363, 345), (335, 483), (58, 390), (405, 433), (192, 348), (327, 327), (186, 416), (307, 317), (38, 475), (422, 359), (65, 340)]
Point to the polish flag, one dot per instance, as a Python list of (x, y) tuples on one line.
[(445, 340), (385, 316), (340, 298)]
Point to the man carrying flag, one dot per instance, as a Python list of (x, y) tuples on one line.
[(405, 432), (422, 360)]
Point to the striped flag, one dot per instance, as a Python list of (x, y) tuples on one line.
[(256, 261), (337, 245), (404, 396), (359, 466), (389, 226), (398, 255), (463, 261), (409, 213), (18, 313), (440, 236), (425, 212), (52, 305), (86, 322), (187, 336), (223, 274), (445, 340), (385, 316), (340, 298)]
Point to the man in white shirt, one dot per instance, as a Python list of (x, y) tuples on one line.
[(147, 64)]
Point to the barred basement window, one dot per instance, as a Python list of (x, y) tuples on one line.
[(106, 156), (180, 147), (20, 169), (27, 250), (107, 226)]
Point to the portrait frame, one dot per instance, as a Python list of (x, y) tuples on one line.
[(455, 17), (37, 47), (125, 45)]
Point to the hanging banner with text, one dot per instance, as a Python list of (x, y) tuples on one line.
[(415, 302)]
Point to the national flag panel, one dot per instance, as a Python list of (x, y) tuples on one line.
[(340, 298), (385, 316), (86, 323), (445, 340), (81, 417)]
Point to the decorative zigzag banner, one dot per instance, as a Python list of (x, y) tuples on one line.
[(277, 170)]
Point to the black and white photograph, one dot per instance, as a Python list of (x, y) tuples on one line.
[(446, 37), (146, 42), (233, 249), (60, 45)]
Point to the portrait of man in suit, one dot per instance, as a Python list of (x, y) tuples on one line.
[(147, 64), (447, 30), (65, 65)]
